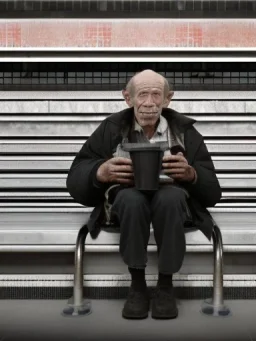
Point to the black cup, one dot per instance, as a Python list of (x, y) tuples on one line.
[(147, 162)]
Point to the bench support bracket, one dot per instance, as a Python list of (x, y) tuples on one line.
[(77, 306), (215, 306)]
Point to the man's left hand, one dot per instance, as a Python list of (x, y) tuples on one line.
[(177, 168)]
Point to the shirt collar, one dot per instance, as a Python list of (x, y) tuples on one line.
[(161, 128)]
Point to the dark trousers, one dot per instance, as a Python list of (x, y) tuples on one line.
[(166, 209)]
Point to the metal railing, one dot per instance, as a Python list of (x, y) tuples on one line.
[(107, 76), (128, 9)]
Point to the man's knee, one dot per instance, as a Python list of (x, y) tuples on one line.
[(170, 196), (130, 197)]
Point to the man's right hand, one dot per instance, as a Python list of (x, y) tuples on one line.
[(118, 170)]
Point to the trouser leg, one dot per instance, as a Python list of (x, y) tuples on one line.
[(132, 209), (168, 207)]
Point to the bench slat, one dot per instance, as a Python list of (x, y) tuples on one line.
[(73, 146), (117, 95), (106, 106), (63, 163), (60, 228), (84, 129), (58, 181), (64, 195)]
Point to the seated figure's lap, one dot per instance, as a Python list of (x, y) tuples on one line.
[(165, 194), (170, 194), (131, 196)]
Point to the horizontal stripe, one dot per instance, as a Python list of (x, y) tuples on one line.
[(111, 249), (59, 181), (121, 280), (106, 33), (117, 95)]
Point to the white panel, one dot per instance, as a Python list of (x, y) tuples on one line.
[(230, 107), (64, 162), (41, 146), (60, 228), (103, 106), (73, 146), (36, 164), (23, 107), (221, 129), (251, 106), (122, 280), (33, 182), (180, 106), (202, 107), (83, 129), (58, 95), (48, 129), (86, 107), (59, 181), (234, 147)]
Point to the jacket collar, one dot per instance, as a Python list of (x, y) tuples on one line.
[(176, 121), (125, 118)]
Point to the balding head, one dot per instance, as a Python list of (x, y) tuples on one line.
[(147, 76), (148, 92)]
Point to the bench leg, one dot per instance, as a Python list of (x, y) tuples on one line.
[(77, 306), (215, 306)]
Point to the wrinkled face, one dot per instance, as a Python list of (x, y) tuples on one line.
[(148, 100)]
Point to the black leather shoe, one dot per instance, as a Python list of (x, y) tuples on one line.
[(136, 305), (164, 304)]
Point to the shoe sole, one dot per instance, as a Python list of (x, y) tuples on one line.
[(164, 317), (132, 317)]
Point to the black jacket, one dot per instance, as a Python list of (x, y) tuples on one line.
[(101, 145)]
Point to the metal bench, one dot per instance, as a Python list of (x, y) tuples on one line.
[(215, 306)]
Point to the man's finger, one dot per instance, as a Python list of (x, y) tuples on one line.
[(174, 158), (121, 160), (177, 176), (174, 165), (122, 168), (174, 171), (125, 181), (123, 175)]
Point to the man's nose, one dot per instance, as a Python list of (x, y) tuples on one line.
[(149, 101)]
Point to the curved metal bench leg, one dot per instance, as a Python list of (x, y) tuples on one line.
[(77, 306), (215, 306)]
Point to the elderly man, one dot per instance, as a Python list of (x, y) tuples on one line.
[(188, 184)]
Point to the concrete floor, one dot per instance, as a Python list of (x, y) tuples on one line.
[(42, 320)]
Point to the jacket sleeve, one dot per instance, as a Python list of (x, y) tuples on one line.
[(81, 180), (207, 189)]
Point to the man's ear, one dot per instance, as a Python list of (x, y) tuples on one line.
[(168, 99), (127, 97)]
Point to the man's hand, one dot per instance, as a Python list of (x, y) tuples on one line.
[(118, 170), (177, 168)]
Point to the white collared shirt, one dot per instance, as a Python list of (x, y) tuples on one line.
[(161, 133)]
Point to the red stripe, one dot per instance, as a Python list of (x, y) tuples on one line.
[(149, 33)]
